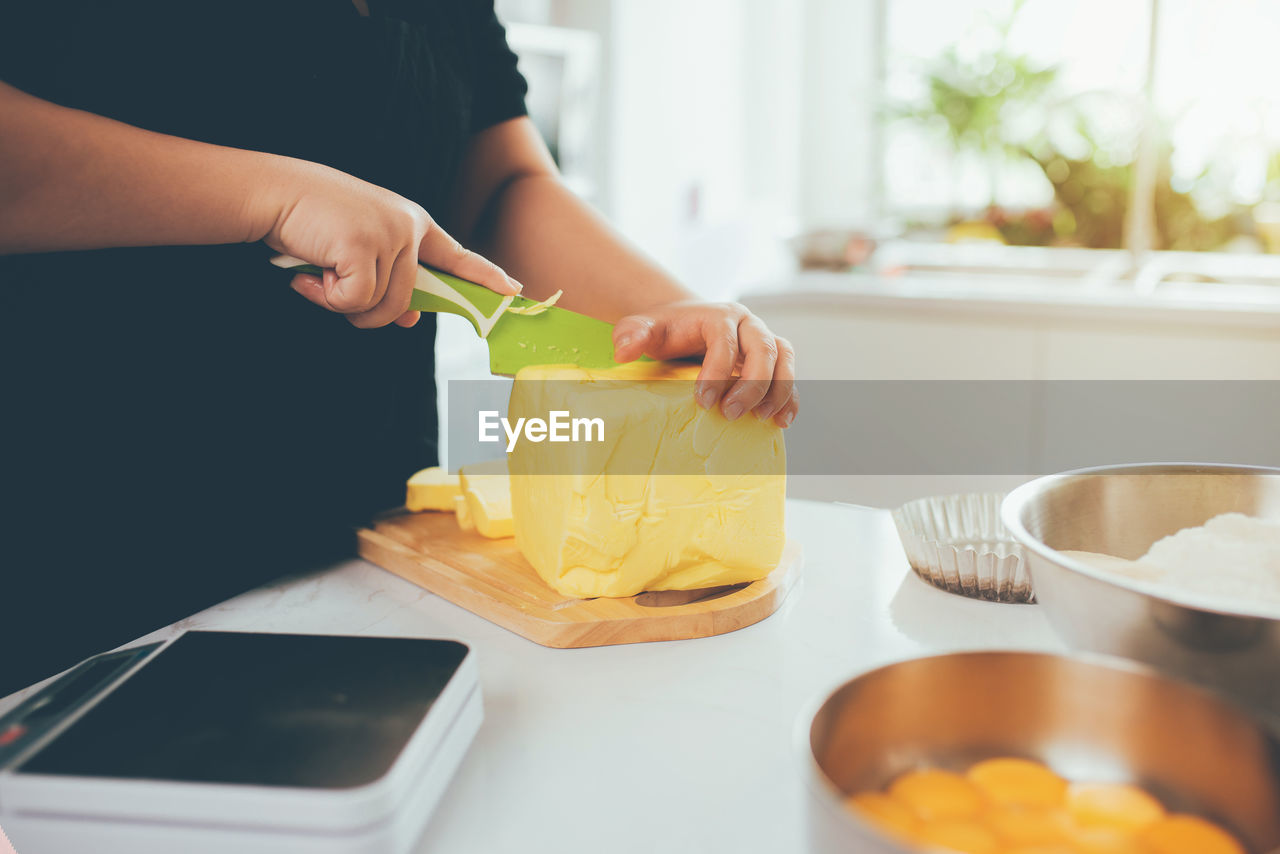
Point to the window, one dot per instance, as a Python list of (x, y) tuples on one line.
[(1216, 99), (1103, 124)]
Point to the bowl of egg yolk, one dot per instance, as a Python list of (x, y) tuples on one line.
[(1036, 753)]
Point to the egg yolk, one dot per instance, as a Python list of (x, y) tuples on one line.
[(888, 815), (1186, 834), (1015, 806), (1114, 805), (1018, 781), (964, 836), (1103, 840), (1020, 825), (935, 795)]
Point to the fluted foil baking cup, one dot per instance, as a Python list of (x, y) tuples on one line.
[(958, 543)]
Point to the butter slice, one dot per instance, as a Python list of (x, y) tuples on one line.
[(486, 491), (463, 512), (432, 489), (674, 498)]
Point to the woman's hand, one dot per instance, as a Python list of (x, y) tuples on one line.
[(540, 229), (369, 241), (746, 368), (73, 180)]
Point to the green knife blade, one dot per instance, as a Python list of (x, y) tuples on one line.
[(553, 336)]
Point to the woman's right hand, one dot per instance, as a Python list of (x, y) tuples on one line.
[(74, 180), (368, 240)]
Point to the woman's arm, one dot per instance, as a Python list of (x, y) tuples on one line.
[(74, 180), (512, 203), (512, 206)]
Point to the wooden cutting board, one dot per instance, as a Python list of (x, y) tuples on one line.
[(492, 579)]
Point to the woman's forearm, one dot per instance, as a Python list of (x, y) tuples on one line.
[(511, 205), (548, 238), (74, 180)]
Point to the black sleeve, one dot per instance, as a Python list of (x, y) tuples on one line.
[(498, 88), (29, 41)]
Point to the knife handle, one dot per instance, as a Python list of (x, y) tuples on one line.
[(438, 292)]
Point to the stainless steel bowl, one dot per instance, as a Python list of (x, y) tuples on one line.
[(1122, 510), (1088, 718)]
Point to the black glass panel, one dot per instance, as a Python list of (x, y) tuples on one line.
[(260, 709)]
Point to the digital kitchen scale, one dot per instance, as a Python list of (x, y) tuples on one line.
[(221, 742)]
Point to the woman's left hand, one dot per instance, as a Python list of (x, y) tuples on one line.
[(745, 367)]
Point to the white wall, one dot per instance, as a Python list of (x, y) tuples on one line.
[(704, 160), (701, 128), (841, 178)]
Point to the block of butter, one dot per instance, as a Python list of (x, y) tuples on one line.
[(432, 489), (486, 494), (463, 513), (672, 496)]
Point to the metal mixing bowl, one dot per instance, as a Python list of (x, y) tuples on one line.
[(1121, 511), (1089, 718)]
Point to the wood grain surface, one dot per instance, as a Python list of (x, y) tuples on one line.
[(492, 579)]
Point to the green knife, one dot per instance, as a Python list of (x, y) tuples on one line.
[(518, 330)]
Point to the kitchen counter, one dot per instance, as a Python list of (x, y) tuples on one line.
[(687, 746), (972, 326), (1027, 296)]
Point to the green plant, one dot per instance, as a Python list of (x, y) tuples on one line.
[(978, 101), (1093, 197), (975, 100)]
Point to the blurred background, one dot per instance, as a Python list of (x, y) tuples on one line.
[(1101, 124), (939, 189)]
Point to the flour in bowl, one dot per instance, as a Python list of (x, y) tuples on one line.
[(1230, 556)]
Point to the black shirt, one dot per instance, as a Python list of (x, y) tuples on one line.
[(180, 426)]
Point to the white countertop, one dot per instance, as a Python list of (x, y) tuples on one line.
[(1024, 296), (675, 747)]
